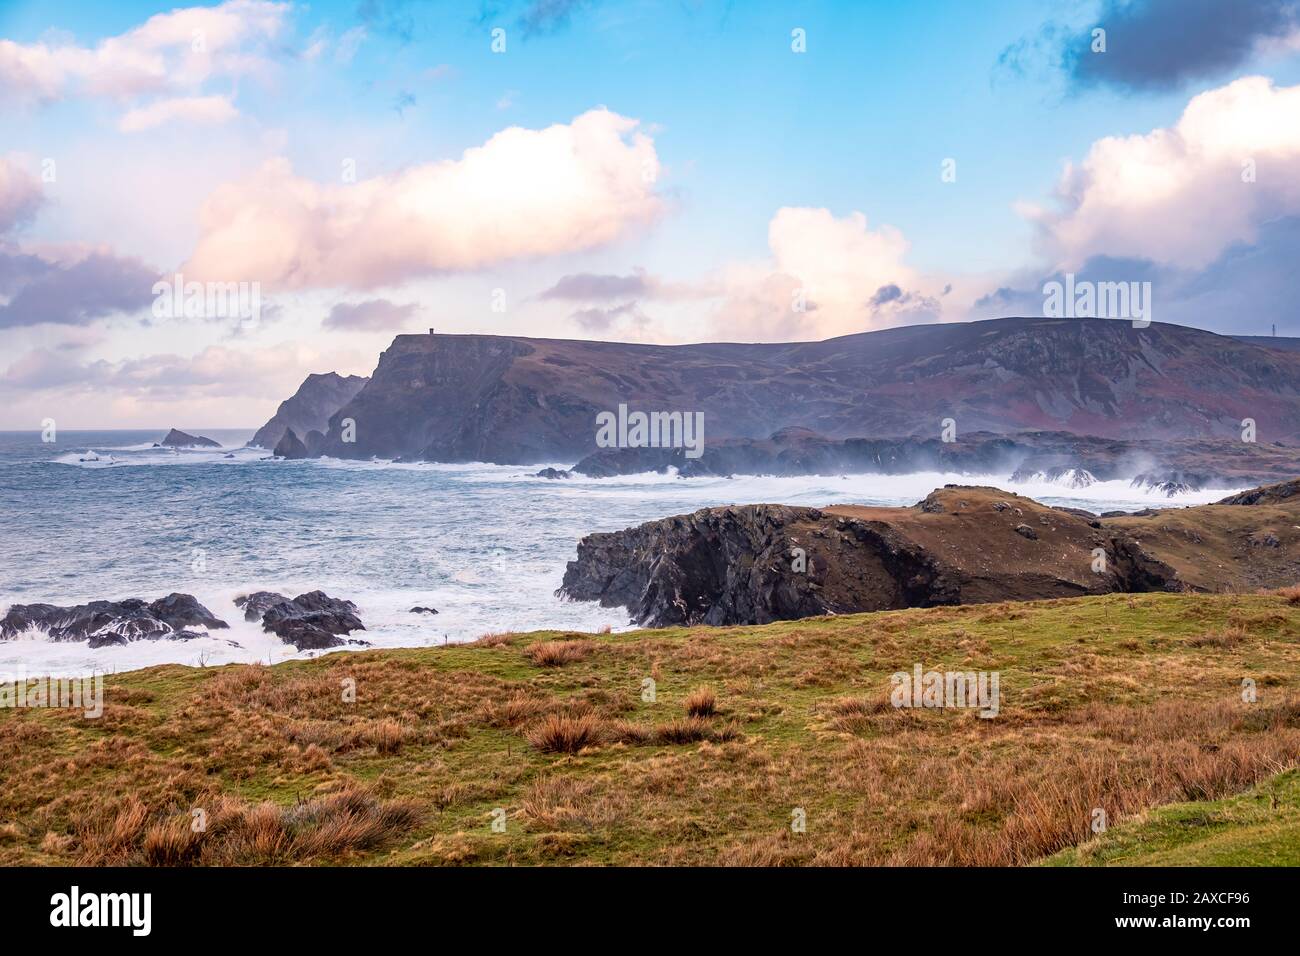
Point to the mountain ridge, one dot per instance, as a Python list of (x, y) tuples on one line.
[(519, 400)]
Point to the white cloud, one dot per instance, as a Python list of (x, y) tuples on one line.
[(827, 276), (190, 109), (170, 53), (1177, 195), (524, 193)]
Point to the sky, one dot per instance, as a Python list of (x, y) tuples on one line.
[(671, 172)]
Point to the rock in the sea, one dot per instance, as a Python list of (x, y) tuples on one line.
[(1169, 484), (105, 623), (552, 473), (311, 621), (178, 439), (290, 446), (423, 610)]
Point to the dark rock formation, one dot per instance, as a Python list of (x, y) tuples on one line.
[(178, 439), (423, 610), (1282, 492), (757, 563), (309, 409), (311, 621), (516, 400), (552, 473), (105, 623), (290, 446)]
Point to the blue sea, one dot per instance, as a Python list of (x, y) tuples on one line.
[(105, 515)]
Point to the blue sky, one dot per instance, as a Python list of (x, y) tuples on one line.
[(772, 170)]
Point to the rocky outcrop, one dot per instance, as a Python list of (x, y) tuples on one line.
[(961, 545), (1284, 492), (290, 446), (178, 439), (311, 621), (515, 400), (309, 409), (104, 623)]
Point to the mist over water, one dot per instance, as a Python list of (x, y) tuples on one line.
[(484, 544)]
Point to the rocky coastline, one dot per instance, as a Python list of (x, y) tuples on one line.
[(754, 564)]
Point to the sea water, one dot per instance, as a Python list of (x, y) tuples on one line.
[(486, 545)]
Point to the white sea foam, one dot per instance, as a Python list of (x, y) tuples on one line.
[(484, 544)]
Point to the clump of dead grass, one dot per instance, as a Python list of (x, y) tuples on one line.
[(562, 733), (233, 832), (1225, 639), (701, 702), (557, 653)]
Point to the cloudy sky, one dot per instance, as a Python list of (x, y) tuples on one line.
[(671, 171)]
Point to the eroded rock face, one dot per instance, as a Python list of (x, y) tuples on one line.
[(311, 621), (104, 623), (309, 409), (759, 563)]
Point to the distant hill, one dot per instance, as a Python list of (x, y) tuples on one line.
[(512, 399), (1271, 342)]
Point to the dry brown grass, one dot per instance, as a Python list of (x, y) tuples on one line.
[(1224, 640), (1103, 705), (557, 653), (684, 730), (701, 702), (1292, 594), (236, 833), (559, 733), (493, 640)]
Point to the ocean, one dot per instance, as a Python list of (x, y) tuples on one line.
[(484, 544)]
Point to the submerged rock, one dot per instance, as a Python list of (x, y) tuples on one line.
[(552, 473), (423, 610), (311, 621), (105, 623)]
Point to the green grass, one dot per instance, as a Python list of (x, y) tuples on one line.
[(1113, 701), (1260, 827)]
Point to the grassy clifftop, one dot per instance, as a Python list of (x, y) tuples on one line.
[(540, 749)]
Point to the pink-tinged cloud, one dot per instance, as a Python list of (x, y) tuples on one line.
[(1182, 195), (524, 193), (169, 52), (20, 195), (827, 276), (372, 315), (200, 110)]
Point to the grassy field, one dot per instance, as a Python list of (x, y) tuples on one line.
[(540, 749)]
